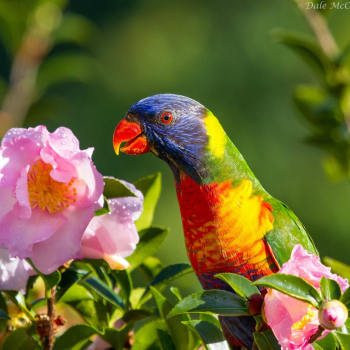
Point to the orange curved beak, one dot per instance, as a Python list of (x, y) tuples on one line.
[(131, 133)]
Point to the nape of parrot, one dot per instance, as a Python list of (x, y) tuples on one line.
[(230, 223)]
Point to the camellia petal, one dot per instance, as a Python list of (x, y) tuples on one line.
[(293, 321), (14, 272), (65, 243), (113, 236)]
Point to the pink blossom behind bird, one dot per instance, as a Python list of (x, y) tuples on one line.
[(113, 236), (292, 321)]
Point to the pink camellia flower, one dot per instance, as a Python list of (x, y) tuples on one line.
[(48, 187), (113, 236), (14, 273), (332, 314), (292, 321)]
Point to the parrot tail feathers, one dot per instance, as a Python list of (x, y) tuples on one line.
[(238, 331)]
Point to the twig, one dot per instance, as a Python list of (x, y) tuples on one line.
[(51, 314), (320, 28), (314, 337)]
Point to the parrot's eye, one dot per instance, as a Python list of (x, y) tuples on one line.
[(166, 118)]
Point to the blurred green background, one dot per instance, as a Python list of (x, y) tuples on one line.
[(109, 54)]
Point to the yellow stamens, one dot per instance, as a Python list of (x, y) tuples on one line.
[(47, 193), (305, 320)]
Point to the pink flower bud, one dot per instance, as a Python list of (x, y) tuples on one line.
[(332, 314)]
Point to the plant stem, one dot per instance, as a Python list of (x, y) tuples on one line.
[(51, 314), (320, 28), (316, 335)]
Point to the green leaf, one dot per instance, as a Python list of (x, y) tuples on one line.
[(19, 340), (104, 210), (74, 337), (124, 280), (150, 241), (92, 311), (176, 292), (150, 187), (114, 188), (210, 318), (4, 316), (343, 340), (266, 341), (211, 301), (178, 331), (150, 268), (104, 291), (294, 286), (116, 337), (319, 108), (330, 288), (147, 335), (169, 274), (50, 280), (307, 48), (165, 341), (241, 285), (3, 313), (210, 335), (345, 298), (337, 267), (18, 299), (135, 315), (327, 343)]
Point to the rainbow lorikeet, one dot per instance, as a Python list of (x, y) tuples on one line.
[(230, 223)]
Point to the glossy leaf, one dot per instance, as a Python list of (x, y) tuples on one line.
[(176, 292), (135, 315), (330, 288), (178, 331), (337, 267), (241, 285), (327, 343), (125, 282), (74, 337), (50, 280), (211, 301), (210, 318), (104, 291), (104, 210), (150, 241), (115, 188), (343, 340), (150, 268), (169, 274), (211, 336), (308, 49), (3, 313), (147, 334), (93, 312), (266, 341), (150, 186), (116, 337), (165, 341), (345, 298), (18, 299), (294, 286), (19, 340)]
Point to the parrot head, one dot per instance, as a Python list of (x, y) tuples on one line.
[(172, 127)]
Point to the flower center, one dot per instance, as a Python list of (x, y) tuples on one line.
[(305, 320), (47, 193)]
